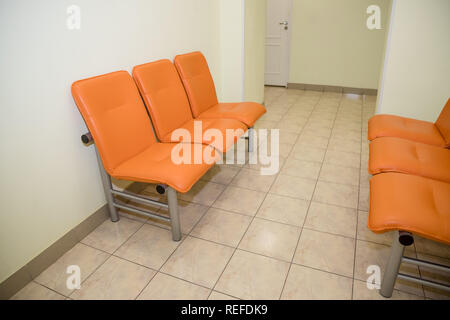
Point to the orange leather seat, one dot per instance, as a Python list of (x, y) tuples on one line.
[(168, 105), (410, 203), (389, 154), (437, 134), (115, 115), (199, 85)]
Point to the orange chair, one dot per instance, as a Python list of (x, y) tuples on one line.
[(409, 204), (199, 85), (389, 154), (168, 105), (437, 134), (126, 147)]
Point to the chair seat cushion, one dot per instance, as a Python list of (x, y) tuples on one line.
[(246, 112), (410, 203), (155, 165), (383, 125), (212, 125), (399, 155)]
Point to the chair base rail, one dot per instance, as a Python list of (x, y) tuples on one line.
[(113, 205), (401, 240), (424, 282)]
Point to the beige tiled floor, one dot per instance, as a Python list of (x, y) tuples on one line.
[(299, 234)]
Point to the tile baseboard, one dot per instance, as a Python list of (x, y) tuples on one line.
[(318, 87), (33, 268)]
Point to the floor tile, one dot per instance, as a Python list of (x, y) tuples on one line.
[(362, 292), (198, 261), (331, 219), (363, 202), (340, 125), (293, 187), (220, 296), (271, 239), (326, 252), (283, 209), (285, 150), (436, 276), (221, 174), (342, 158), (364, 178), (34, 291), (87, 258), (271, 116), (339, 174), (151, 246), (287, 137), (364, 233), (324, 132), (252, 179), (301, 168), (312, 140), (336, 194), (251, 276), (372, 254), (271, 167), (346, 135), (431, 247), (344, 145), (365, 147), (308, 284), (308, 153), (190, 214), (295, 128), (222, 226), (111, 235), (202, 192), (240, 200), (116, 279), (324, 123), (165, 287), (265, 124)]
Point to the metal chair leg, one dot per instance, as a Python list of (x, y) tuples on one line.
[(395, 259), (107, 186), (173, 212), (251, 139)]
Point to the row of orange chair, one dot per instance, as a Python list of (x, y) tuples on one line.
[(174, 96), (410, 188)]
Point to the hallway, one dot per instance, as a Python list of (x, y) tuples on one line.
[(299, 234)]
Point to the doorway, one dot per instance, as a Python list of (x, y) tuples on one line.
[(278, 36)]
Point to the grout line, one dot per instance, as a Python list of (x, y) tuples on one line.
[(253, 218), (209, 208), (307, 211), (111, 254), (53, 290), (357, 207)]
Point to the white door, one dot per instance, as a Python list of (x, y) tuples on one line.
[(278, 31)]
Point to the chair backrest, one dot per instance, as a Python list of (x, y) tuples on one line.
[(197, 81), (164, 95), (115, 115), (443, 123)]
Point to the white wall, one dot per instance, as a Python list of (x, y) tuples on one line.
[(254, 50), (416, 74), (331, 44), (49, 180), (231, 33)]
